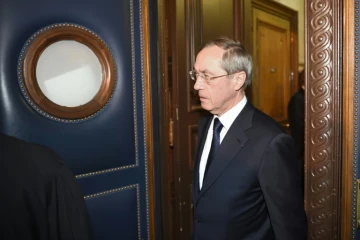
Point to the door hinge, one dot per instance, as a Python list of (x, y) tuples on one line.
[(171, 133)]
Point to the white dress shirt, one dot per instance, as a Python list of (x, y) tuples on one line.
[(226, 120)]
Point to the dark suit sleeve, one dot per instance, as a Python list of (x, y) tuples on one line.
[(41, 199), (67, 213), (281, 186)]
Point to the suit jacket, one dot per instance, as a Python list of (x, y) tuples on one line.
[(40, 198), (252, 188)]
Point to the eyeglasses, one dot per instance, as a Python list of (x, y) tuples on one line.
[(194, 75)]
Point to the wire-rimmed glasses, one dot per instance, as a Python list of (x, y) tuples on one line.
[(194, 75)]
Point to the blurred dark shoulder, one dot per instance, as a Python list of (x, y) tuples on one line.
[(22, 156)]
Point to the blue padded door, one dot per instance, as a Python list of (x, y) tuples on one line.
[(110, 152)]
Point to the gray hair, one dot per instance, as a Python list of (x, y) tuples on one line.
[(235, 58)]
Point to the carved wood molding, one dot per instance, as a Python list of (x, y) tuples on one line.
[(323, 114)]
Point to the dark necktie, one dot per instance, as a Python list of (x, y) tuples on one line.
[(215, 143)]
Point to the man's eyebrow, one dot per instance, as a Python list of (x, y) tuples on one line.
[(202, 71), (206, 71)]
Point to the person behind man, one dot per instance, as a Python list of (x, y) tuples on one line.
[(246, 183), (40, 198), (296, 116)]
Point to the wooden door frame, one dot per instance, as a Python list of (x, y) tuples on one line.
[(323, 128), (280, 11), (349, 118), (325, 121), (262, 10), (165, 213)]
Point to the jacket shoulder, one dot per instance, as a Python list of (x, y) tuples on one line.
[(265, 123), (26, 156)]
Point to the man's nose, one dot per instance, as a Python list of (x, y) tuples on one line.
[(199, 83)]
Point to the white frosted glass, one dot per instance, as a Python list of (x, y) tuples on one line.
[(69, 73)]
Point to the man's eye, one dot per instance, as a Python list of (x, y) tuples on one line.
[(206, 76)]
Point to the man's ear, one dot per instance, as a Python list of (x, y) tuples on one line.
[(240, 80)]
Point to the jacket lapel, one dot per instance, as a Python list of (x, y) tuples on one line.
[(234, 141)]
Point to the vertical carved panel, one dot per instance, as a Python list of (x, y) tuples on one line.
[(196, 39), (323, 129)]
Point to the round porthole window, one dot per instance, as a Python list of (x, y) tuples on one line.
[(66, 72), (69, 73)]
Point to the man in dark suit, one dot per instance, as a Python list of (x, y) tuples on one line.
[(246, 182), (40, 198)]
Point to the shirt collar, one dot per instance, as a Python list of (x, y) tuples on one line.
[(229, 117)]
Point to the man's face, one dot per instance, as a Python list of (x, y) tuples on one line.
[(221, 94)]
